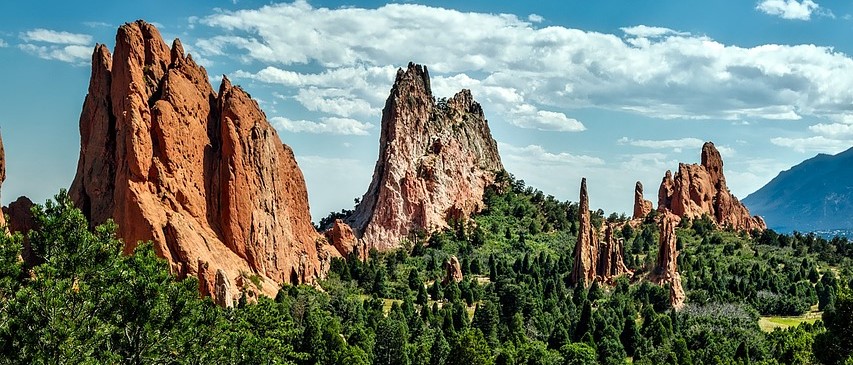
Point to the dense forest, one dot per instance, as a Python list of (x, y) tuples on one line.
[(84, 302)]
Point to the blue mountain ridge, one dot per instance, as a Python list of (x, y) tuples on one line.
[(815, 195)]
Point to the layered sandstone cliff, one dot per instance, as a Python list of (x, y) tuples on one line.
[(666, 268), (199, 172), (698, 190), (435, 160)]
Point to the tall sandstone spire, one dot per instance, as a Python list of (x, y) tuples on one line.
[(200, 173), (586, 247), (666, 268), (642, 207), (701, 189), (435, 160)]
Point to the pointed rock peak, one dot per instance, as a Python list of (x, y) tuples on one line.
[(225, 85), (584, 196), (101, 58), (177, 51), (711, 157), (700, 189), (642, 207), (415, 78), (435, 160)]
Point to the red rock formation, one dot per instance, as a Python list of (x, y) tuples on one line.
[(666, 269), (701, 189), (343, 238), (435, 160), (665, 191), (21, 220), (2, 175), (222, 288), (586, 248), (611, 260), (200, 173), (453, 270), (642, 207)]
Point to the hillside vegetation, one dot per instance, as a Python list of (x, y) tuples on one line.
[(87, 303)]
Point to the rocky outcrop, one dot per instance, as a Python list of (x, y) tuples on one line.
[(200, 173), (21, 220), (586, 248), (452, 270), (224, 296), (698, 190), (596, 260), (666, 269), (435, 160), (642, 207), (343, 238), (2, 175), (611, 261), (667, 185)]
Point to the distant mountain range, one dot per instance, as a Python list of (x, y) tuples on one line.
[(816, 195)]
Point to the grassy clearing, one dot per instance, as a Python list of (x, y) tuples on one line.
[(769, 323)]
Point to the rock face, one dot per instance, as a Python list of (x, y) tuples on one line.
[(642, 207), (435, 160), (2, 174), (596, 260), (611, 262), (453, 270), (223, 294), (698, 190), (586, 247), (21, 220), (343, 238), (666, 269), (200, 173)]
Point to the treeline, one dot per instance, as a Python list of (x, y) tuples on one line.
[(85, 302)]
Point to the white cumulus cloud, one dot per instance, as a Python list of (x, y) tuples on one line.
[(56, 37), (326, 125), (675, 144), (57, 45), (789, 9), (813, 144), (652, 71)]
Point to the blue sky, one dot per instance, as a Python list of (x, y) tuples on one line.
[(611, 90)]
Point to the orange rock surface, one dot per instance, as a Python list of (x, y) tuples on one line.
[(200, 173), (698, 190), (452, 270), (642, 207), (585, 266), (666, 268)]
